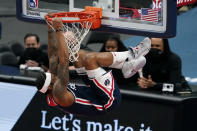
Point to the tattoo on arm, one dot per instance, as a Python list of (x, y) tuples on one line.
[(63, 71), (62, 49), (52, 44), (53, 64), (61, 95), (52, 53), (63, 74)]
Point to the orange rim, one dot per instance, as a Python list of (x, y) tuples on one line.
[(83, 16), (90, 14)]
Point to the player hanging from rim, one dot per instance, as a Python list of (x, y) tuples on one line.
[(101, 94)]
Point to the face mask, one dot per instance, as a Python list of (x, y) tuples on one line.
[(32, 53), (30, 49), (155, 53)]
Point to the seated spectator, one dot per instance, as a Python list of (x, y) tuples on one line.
[(163, 69), (33, 56), (113, 44)]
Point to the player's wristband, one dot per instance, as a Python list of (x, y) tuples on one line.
[(51, 31), (58, 30)]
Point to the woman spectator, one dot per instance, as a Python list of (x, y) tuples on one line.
[(163, 69)]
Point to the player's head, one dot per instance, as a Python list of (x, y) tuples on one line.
[(44, 82)]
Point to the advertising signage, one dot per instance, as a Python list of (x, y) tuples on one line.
[(132, 115), (25, 109)]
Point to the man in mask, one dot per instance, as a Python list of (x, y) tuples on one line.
[(33, 56), (163, 69)]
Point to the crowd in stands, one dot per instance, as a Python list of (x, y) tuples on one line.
[(162, 70), (33, 56), (15, 56)]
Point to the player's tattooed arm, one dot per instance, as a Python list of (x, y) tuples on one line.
[(52, 53), (61, 95), (53, 64), (63, 74), (52, 48), (63, 55), (52, 44)]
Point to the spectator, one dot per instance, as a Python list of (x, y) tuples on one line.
[(113, 44), (33, 56), (163, 69)]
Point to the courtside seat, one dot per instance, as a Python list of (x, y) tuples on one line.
[(8, 58), (16, 47), (4, 48)]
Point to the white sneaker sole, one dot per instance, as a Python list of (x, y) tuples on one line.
[(147, 41), (131, 67), (143, 51)]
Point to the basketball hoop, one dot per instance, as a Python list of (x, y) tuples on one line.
[(76, 26)]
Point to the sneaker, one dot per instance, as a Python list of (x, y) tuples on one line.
[(130, 67), (141, 49)]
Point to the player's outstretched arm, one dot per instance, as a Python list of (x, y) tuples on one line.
[(62, 96), (52, 49), (63, 55)]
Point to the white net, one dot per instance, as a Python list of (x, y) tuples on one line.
[(74, 34)]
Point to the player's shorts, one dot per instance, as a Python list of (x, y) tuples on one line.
[(101, 96)]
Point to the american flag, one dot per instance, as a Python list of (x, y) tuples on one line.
[(149, 15)]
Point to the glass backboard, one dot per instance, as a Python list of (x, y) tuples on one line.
[(155, 18)]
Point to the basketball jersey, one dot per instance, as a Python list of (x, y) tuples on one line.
[(101, 96)]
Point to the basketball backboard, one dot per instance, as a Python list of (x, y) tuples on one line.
[(154, 18)]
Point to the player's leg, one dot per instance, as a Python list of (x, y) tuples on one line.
[(129, 61), (119, 60), (105, 59), (93, 60), (135, 52)]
